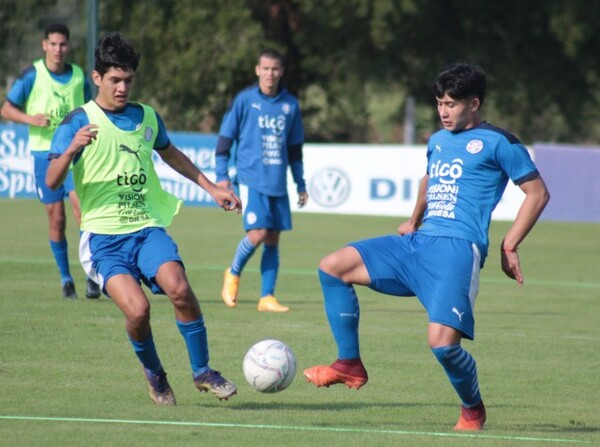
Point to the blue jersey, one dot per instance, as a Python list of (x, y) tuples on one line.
[(128, 119), (263, 127), (21, 88), (468, 172)]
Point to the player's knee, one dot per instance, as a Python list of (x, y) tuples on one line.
[(139, 316)]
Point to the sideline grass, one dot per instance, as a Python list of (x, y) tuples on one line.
[(68, 375)]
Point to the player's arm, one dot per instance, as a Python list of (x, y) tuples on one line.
[(177, 160), (297, 168), (415, 220), (223, 153), (536, 198), (59, 166), (11, 112)]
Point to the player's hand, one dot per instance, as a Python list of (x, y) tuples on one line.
[(302, 199), (227, 199), (406, 227), (511, 265), (40, 120), (84, 136)]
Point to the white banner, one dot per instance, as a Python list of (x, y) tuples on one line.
[(378, 180)]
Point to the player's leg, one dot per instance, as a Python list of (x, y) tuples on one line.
[(55, 213), (461, 369), (92, 289), (163, 272), (375, 263), (278, 218), (129, 297), (449, 300), (253, 206), (337, 273)]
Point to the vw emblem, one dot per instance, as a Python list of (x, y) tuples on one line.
[(329, 187)]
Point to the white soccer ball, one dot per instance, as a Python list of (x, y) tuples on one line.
[(269, 366)]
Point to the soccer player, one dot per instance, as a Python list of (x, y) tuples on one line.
[(41, 97), (265, 122), (440, 250), (109, 143)]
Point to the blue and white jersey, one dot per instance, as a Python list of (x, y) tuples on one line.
[(468, 172), (21, 88), (263, 127), (127, 119)]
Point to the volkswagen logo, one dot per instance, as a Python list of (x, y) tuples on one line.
[(329, 187)]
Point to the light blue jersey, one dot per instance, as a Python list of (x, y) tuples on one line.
[(468, 173), (264, 127)]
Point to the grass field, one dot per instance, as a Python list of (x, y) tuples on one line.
[(68, 376)]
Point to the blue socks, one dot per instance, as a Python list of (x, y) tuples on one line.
[(343, 313), (244, 252), (269, 267), (461, 369), (196, 340), (60, 250), (146, 352)]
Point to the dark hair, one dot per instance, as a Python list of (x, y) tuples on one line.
[(113, 51), (460, 80), (57, 28), (270, 54)]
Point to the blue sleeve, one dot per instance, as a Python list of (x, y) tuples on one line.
[(21, 88), (298, 174), (162, 139), (515, 161), (223, 152), (296, 136), (230, 126), (66, 131)]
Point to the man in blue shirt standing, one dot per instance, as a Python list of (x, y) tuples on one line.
[(440, 250), (41, 97), (265, 122)]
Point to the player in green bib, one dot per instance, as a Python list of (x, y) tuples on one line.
[(109, 143), (41, 97)]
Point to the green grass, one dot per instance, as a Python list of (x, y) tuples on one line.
[(68, 376)]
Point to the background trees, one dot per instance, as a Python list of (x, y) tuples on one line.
[(353, 63)]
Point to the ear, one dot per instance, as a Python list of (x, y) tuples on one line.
[(97, 78), (475, 104), (257, 70)]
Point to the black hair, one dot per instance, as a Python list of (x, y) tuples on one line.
[(57, 28), (460, 80), (270, 54), (113, 51)]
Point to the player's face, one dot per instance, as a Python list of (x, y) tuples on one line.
[(113, 87), (458, 114), (56, 47), (269, 72)]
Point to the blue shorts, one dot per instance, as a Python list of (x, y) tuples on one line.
[(45, 194), (442, 272), (139, 254), (265, 212)]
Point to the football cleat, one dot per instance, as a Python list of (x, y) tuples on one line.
[(92, 290), (270, 304), (231, 284), (68, 290), (326, 376), (471, 419), (214, 382), (159, 389)]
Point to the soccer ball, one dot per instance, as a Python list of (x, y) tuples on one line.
[(269, 366)]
